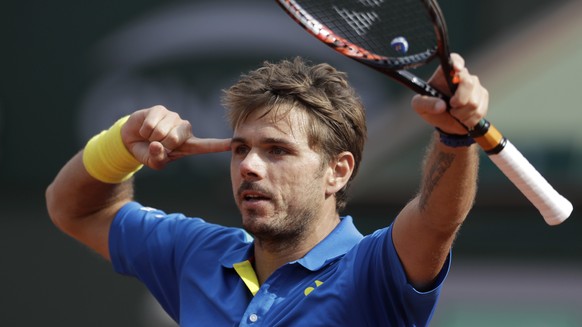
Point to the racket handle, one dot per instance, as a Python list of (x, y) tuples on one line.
[(552, 206)]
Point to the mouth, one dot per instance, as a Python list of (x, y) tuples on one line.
[(254, 197)]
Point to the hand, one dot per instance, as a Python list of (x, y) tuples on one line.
[(157, 136), (468, 105)]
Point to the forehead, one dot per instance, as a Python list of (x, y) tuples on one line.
[(283, 120)]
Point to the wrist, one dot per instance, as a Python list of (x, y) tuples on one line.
[(106, 158), (454, 140)]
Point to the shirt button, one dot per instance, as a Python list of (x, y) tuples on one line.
[(253, 317)]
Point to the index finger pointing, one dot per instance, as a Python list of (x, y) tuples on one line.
[(196, 145)]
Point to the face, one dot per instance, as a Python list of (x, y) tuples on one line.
[(278, 181)]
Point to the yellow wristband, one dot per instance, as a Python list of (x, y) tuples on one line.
[(107, 159)]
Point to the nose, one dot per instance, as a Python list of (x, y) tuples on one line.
[(252, 167)]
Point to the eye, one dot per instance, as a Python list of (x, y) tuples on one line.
[(240, 149), (279, 151)]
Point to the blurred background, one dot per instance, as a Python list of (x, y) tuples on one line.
[(68, 69)]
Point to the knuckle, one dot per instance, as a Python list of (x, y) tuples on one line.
[(157, 134), (173, 115), (146, 129), (485, 93), (187, 125), (471, 81), (171, 141), (159, 107), (473, 103)]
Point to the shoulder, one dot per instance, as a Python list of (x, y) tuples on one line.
[(138, 220)]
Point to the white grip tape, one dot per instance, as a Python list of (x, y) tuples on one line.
[(553, 206)]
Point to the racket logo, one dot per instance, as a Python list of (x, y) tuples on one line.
[(429, 89), (400, 45), (371, 3), (360, 22)]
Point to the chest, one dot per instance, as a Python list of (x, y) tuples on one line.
[(292, 296)]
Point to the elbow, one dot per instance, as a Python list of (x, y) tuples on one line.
[(52, 207), (446, 218), (452, 218), (56, 207)]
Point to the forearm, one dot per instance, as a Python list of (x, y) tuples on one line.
[(84, 207), (425, 229), (449, 184), (92, 183)]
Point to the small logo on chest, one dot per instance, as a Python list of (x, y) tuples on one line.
[(311, 288)]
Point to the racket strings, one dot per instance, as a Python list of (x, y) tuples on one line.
[(375, 24)]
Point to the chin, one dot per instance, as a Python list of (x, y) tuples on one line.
[(253, 220), (257, 229)]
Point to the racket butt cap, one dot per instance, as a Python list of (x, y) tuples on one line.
[(559, 213)]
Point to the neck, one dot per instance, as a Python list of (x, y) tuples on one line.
[(272, 254)]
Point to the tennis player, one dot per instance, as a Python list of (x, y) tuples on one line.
[(298, 137)]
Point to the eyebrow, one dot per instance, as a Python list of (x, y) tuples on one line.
[(267, 140)]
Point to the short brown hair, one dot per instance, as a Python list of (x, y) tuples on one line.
[(336, 114)]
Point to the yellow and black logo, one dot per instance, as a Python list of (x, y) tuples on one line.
[(310, 288)]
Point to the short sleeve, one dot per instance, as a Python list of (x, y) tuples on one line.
[(143, 236), (168, 252), (147, 243), (387, 292)]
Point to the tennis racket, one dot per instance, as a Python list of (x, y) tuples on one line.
[(394, 36)]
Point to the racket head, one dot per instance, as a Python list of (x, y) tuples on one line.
[(384, 34)]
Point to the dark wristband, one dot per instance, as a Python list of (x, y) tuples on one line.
[(455, 140)]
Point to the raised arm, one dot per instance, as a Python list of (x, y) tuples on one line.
[(425, 229), (83, 204)]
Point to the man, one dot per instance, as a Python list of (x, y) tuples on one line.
[(299, 133)]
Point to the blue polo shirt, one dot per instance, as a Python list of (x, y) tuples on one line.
[(193, 268)]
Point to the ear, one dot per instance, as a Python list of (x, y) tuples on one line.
[(340, 172)]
